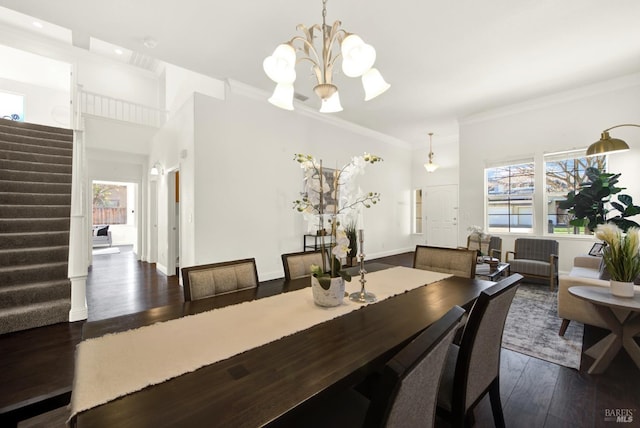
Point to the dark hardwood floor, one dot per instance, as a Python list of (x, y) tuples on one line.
[(36, 366)]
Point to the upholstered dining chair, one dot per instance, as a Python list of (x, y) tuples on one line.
[(218, 278), (403, 396), (456, 261), (492, 248), (298, 265), (535, 258), (473, 367)]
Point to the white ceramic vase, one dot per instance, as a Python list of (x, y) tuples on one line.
[(621, 289), (328, 298)]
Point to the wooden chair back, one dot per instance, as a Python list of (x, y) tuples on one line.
[(219, 278), (459, 262)]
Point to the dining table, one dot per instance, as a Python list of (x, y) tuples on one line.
[(267, 384)]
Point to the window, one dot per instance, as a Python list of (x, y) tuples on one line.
[(417, 211), (509, 191), (12, 106), (109, 203), (565, 172)]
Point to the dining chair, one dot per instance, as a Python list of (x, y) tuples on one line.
[(403, 396), (473, 367), (298, 265), (218, 278), (489, 245), (456, 261)]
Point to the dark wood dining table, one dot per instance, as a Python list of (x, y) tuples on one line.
[(266, 384)]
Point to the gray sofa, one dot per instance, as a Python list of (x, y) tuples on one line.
[(101, 236)]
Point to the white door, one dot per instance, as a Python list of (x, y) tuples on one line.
[(440, 205), (153, 220)]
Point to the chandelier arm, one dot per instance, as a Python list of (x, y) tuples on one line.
[(316, 69), (618, 126)]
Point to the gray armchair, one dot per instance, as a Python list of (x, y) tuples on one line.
[(535, 258)]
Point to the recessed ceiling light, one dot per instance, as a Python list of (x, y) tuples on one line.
[(119, 51), (37, 24)]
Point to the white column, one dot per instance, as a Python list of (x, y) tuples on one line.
[(78, 232)]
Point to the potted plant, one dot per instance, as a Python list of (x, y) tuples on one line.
[(589, 205), (621, 256), (339, 189)]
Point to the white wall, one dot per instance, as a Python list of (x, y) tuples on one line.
[(42, 105), (180, 84), (246, 180), (115, 135), (566, 121), (175, 137)]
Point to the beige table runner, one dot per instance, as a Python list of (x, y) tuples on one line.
[(117, 364)]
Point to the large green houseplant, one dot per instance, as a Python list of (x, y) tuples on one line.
[(589, 205)]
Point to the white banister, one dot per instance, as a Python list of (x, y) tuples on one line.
[(100, 105)]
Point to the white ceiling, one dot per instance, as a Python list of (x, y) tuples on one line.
[(445, 60)]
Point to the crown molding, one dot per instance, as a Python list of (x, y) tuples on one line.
[(624, 82), (252, 92)]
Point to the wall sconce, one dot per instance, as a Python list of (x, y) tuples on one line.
[(606, 144), (156, 169), (430, 166)]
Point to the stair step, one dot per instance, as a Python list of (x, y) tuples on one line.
[(33, 239), (33, 129), (17, 155), (34, 225), (15, 275), (12, 198), (50, 177), (44, 150), (34, 315), (35, 187), (38, 292), (35, 211), (17, 165), (35, 142), (35, 255)]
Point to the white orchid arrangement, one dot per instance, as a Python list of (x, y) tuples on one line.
[(340, 189), (622, 253)]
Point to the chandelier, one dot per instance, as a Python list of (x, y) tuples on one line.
[(431, 166), (357, 61)]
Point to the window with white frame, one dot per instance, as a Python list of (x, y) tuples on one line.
[(12, 106), (565, 172), (509, 198), (417, 211)]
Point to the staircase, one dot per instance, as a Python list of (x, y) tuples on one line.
[(35, 198)]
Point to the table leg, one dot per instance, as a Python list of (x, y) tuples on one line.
[(629, 331), (605, 350)]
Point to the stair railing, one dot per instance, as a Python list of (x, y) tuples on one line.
[(95, 104)]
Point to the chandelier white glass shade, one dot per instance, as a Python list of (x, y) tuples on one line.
[(357, 61), (430, 166)]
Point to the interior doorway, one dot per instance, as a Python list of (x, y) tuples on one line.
[(440, 205), (173, 234), (114, 214)]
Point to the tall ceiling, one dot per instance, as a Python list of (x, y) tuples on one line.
[(445, 60)]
